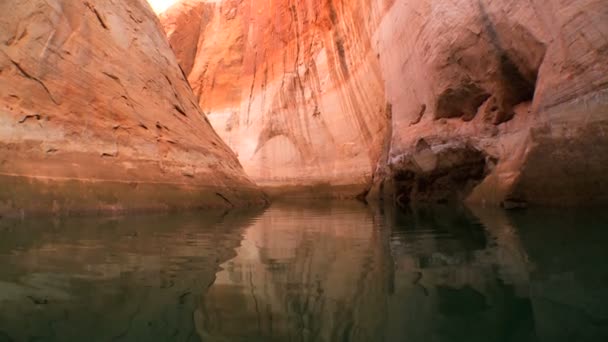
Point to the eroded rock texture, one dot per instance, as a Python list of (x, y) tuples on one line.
[(479, 100), (519, 84), (96, 115), (293, 87)]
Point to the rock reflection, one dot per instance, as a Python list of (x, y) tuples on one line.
[(302, 273), (567, 250), (454, 280), (325, 272), (353, 274), (135, 279)]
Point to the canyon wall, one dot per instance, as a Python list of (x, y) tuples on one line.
[(95, 115), (293, 87), (500, 102), (496, 101)]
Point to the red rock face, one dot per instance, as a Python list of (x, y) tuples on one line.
[(95, 115), (294, 87), (488, 101)]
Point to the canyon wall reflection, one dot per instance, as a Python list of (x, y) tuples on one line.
[(351, 273), (111, 279), (301, 272)]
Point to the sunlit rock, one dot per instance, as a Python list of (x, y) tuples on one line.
[(293, 87), (95, 115), (318, 95)]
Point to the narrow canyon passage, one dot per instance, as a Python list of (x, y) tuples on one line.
[(111, 107), (493, 102), (303, 170)]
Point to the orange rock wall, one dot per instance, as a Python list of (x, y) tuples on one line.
[(500, 102), (95, 115), (293, 87)]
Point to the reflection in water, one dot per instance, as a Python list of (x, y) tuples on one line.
[(302, 274), (330, 272), (456, 281), (569, 273), (135, 279)]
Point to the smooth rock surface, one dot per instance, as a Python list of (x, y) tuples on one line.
[(314, 93), (95, 115), (293, 87)]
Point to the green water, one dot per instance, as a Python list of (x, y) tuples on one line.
[(329, 272)]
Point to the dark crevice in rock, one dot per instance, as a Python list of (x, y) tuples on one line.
[(445, 176), (99, 18), (27, 117), (114, 77), (136, 20), (169, 80), (462, 102), (516, 89), (518, 75), (28, 75), (422, 145), (180, 110), (522, 89)]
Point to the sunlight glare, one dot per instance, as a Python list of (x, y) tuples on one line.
[(160, 6)]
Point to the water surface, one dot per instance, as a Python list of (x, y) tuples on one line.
[(323, 272)]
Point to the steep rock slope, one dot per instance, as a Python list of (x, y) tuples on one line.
[(293, 87), (500, 102), (496, 101), (95, 115)]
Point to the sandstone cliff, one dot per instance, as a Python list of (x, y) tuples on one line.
[(95, 115), (497, 101), (293, 87), (487, 101)]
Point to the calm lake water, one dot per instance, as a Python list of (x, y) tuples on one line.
[(325, 272)]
